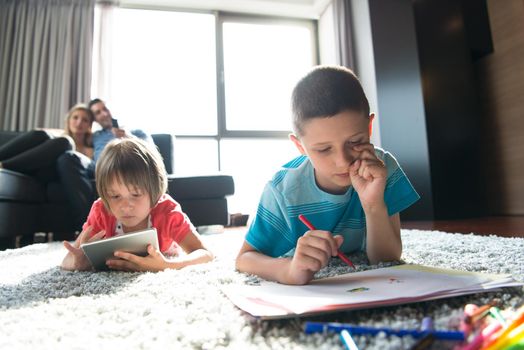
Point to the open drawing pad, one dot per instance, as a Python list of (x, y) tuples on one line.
[(136, 242)]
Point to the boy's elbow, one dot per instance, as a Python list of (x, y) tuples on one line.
[(397, 254), (238, 262), (392, 257), (242, 263), (382, 253), (244, 257)]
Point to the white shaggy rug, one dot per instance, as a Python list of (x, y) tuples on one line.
[(44, 307)]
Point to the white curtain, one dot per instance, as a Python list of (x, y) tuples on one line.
[(326, 37), (343, 33), (45, 60), (102, 49)]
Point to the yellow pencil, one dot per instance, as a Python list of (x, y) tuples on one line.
[(513, 337)]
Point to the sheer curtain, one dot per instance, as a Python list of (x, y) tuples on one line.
[(45, 60), (346, 40), (102, 49), (343, 33)]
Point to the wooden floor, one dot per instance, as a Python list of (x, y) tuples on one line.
[(504, 226)]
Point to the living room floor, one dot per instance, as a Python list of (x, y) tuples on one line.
[(503, 226)]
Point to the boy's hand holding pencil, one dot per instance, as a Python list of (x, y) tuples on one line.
[(313, 251), (339, 240)]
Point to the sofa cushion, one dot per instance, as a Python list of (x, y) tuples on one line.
[(17, 219), (165, 144), (17, 187), (200, 187), (56, 194), (201, 212), (56, 218)]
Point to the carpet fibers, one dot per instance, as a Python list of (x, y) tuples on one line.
[(44, 307)]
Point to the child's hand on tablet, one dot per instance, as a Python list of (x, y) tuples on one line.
[(154, 261), (75, 258)]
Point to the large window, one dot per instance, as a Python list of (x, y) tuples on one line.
[(253, 161), (163, 71), (163, 79), (262, 63)]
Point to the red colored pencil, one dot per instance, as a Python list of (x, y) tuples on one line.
[(339, 253)]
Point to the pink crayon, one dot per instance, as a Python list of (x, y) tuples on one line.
[(483, 335)]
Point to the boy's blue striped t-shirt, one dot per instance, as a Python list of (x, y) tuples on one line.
[(293, 191)]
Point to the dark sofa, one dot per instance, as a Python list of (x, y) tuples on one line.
[(26, 206)]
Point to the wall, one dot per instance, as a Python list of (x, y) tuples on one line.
[(428, 102), (501, 87), (394, 61), (451, 103), (364, 67)]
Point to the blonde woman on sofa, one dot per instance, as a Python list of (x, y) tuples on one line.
[(35, 152), (78, 125)]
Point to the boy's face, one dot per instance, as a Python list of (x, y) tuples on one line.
[(131, 206), (329, 142)]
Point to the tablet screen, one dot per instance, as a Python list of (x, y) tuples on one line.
[(135, 242)]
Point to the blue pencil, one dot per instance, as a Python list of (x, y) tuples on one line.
[(315, 327)]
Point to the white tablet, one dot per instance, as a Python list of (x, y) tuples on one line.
[(135, 242)]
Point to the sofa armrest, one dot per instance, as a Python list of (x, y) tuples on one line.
[(166, 146)]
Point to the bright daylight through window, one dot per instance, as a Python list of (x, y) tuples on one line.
[(162, 77), (163, 71), (262, 63)]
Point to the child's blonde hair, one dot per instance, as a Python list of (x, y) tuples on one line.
[(133, 163)]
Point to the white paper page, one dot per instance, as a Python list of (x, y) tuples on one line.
[(396, 284)]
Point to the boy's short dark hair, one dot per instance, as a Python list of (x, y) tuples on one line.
[(134, 163), (324, 92)]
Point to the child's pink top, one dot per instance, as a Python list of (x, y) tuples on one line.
[(171, 223)]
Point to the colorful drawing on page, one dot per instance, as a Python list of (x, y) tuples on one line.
[(355, 290)]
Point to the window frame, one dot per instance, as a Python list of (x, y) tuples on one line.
[(223, 17)]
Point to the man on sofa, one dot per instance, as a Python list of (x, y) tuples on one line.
[(110, 128), (77, 171)]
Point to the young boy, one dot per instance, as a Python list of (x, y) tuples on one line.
[(349, 190)]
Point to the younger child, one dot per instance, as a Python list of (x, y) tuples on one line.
[(131, 181), (349, 190)]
